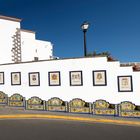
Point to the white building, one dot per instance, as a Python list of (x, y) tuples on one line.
[(18, 45)]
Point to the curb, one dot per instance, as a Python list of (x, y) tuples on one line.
[(91, 120)]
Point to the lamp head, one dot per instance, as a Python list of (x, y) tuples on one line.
[(85, 26)]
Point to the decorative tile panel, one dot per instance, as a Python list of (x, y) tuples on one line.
[(102, 107), (55, 101), (127, 106), (77, 103), (105, 112), (79, 106), (35, 103), (16, 100), (3, 98), (101, 104), (128, 109), (56, 104)]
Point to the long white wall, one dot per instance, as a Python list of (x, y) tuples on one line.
[(87, 92)]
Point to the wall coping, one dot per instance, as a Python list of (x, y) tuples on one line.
[(10, 18)]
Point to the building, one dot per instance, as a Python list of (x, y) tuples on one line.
[(88, 78), (18, 45)]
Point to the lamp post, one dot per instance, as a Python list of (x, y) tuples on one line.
[(84, 27)]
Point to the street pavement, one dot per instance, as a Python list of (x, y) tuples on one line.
[(48, 129), (20, 124)]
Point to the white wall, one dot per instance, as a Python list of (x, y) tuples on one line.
[(34, 48), (87, 92), (44, 49), (7, 30), (27, 45), (30, 47)]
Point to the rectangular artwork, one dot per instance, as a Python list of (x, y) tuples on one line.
[(99, 78), (15, 78), (54, 78), (76, 78), (34, 79), (1, 78), (125, 84)]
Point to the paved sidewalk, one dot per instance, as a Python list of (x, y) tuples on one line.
[(10, 113)]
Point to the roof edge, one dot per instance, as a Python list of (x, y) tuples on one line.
[(29, 31), (10, 18)]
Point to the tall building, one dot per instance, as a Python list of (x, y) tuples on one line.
[(18, 45)]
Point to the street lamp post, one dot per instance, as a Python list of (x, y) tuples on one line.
[(84, 27)]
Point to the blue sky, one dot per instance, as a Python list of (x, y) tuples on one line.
[(114, 25)]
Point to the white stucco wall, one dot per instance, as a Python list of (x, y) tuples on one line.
[(44, 49), (27, 45), (87, 92), (7, 30), (31, 47)]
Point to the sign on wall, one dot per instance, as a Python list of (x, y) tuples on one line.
[(76, 78), (99, 78), (1, 78), (125, 84), (54, 78), (15, 78), (34, 79)]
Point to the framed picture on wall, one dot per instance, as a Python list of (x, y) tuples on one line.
[(76, 78), (54, 78), (99, 78), (125, 84), (1, 78), (34, 79), (15, 78)]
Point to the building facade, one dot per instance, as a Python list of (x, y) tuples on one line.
[(18, 45), (26, 68)]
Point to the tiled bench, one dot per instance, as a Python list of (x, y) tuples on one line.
[(3, 99), (35, 103), (16, 100), (102, 107), (56, 104), (128, 109), (79, 106)]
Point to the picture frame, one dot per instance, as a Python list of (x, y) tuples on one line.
[(99, 78), (1, 78), (15, 78), (54, 78), (125, 83), (76, 78), (34, 79)]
